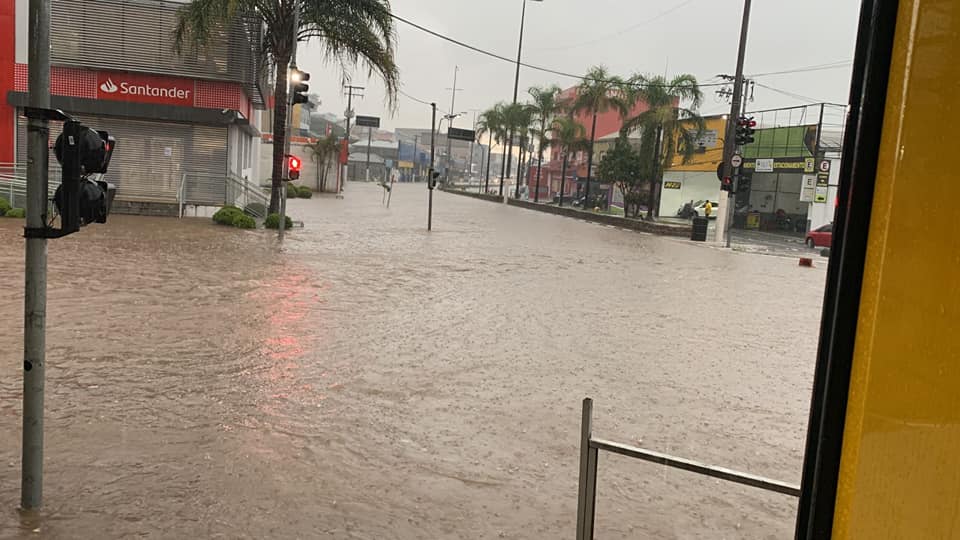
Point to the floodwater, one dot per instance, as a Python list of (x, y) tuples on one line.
[(372, 380)]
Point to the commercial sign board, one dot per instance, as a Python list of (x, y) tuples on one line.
[(808, 188), (458, 134), (140, 88), (671, 185), (796, 165), (368, 121)]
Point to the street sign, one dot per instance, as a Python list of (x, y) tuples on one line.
[(736, 160), (824, 165), (368, 121), (458, 134)]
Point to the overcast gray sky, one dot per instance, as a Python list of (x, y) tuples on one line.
[(679, 36)]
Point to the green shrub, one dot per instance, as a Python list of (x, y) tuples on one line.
[(291, 191), (243, 221), (255, 209), (226, 215), (15, 213), (304, 192), (4, 206), (273, 221)]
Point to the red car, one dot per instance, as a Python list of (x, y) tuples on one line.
[(820, 237)]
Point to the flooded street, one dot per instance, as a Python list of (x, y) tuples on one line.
[(376, 381)]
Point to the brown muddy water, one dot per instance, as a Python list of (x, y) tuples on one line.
[(371, 380)]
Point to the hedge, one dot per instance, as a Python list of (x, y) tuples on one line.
[(273, 222)]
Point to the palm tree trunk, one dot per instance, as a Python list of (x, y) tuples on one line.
[(516, 191), (279, 132), (536, 196), (593, 135), (503, 168), (654, 182), (563, 177), (486, 181)]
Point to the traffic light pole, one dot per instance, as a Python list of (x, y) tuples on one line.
[(430, 181), (729, 144), (35, 270), (282, 226)]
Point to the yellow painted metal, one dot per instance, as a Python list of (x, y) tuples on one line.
[(900, 470), (708, 160)]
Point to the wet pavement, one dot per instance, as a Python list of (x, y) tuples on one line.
[(375, 381)]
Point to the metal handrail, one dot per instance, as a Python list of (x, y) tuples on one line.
[(236, 190), (589, 453)]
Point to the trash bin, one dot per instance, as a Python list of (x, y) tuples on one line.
[(699, 232)]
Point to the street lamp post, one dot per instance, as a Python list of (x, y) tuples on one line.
[(516, 79)]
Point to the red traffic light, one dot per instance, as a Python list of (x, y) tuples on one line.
[(293, 162)]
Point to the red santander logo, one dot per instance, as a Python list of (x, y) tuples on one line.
[(118, 86)]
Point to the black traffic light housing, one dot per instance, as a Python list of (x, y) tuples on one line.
[(80, 199), (432, 181), (745, 130), (299, 86), (726, 184)]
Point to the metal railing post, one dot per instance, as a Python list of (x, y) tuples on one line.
[(587, 493), (183, 182)]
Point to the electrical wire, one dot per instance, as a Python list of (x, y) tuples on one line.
[(514, 62), (791, 94), (818, 67)]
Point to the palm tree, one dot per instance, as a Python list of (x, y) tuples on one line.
[(492, 123), (348, 31), (518, 118), (598, 93), (545, 106), (568, 135), (677, 127), (320, 153)]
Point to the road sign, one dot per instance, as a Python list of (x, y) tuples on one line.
[(368, 121), (458, 134), (736, 160), (824, 165)]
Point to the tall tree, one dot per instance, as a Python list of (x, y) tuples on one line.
[(671, 122), (598, 93), (519, 118), (568, 136), (348, 32), (545, 104), (622, 166), (321, 152), (492, 123)]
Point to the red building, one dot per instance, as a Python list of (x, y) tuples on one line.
[(608, 123)]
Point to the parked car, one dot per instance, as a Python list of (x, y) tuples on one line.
[(820, 237)]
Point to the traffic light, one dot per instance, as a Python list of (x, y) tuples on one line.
[(726, 184), (745, 130), (432, 181), (293, 167), (81, 199), (299, 86)]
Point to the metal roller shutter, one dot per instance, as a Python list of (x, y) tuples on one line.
[(152, 157)]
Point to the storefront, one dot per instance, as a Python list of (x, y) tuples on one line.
[(183, 123)]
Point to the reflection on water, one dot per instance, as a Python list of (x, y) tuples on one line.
[(374, 381)]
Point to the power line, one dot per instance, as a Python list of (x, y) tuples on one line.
[(531, 66), (818, 67), (620, 32), (791, 94)]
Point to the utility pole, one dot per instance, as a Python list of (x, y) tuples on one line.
[(433, 130), (352, 91), (452, 115), (35, 267), (729, 144)]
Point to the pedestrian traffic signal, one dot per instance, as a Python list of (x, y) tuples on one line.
[(299, 86), (746, 128), (726, 184), (293, 167), (432, 181)]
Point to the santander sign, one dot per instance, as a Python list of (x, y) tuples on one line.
[(139, 88)]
